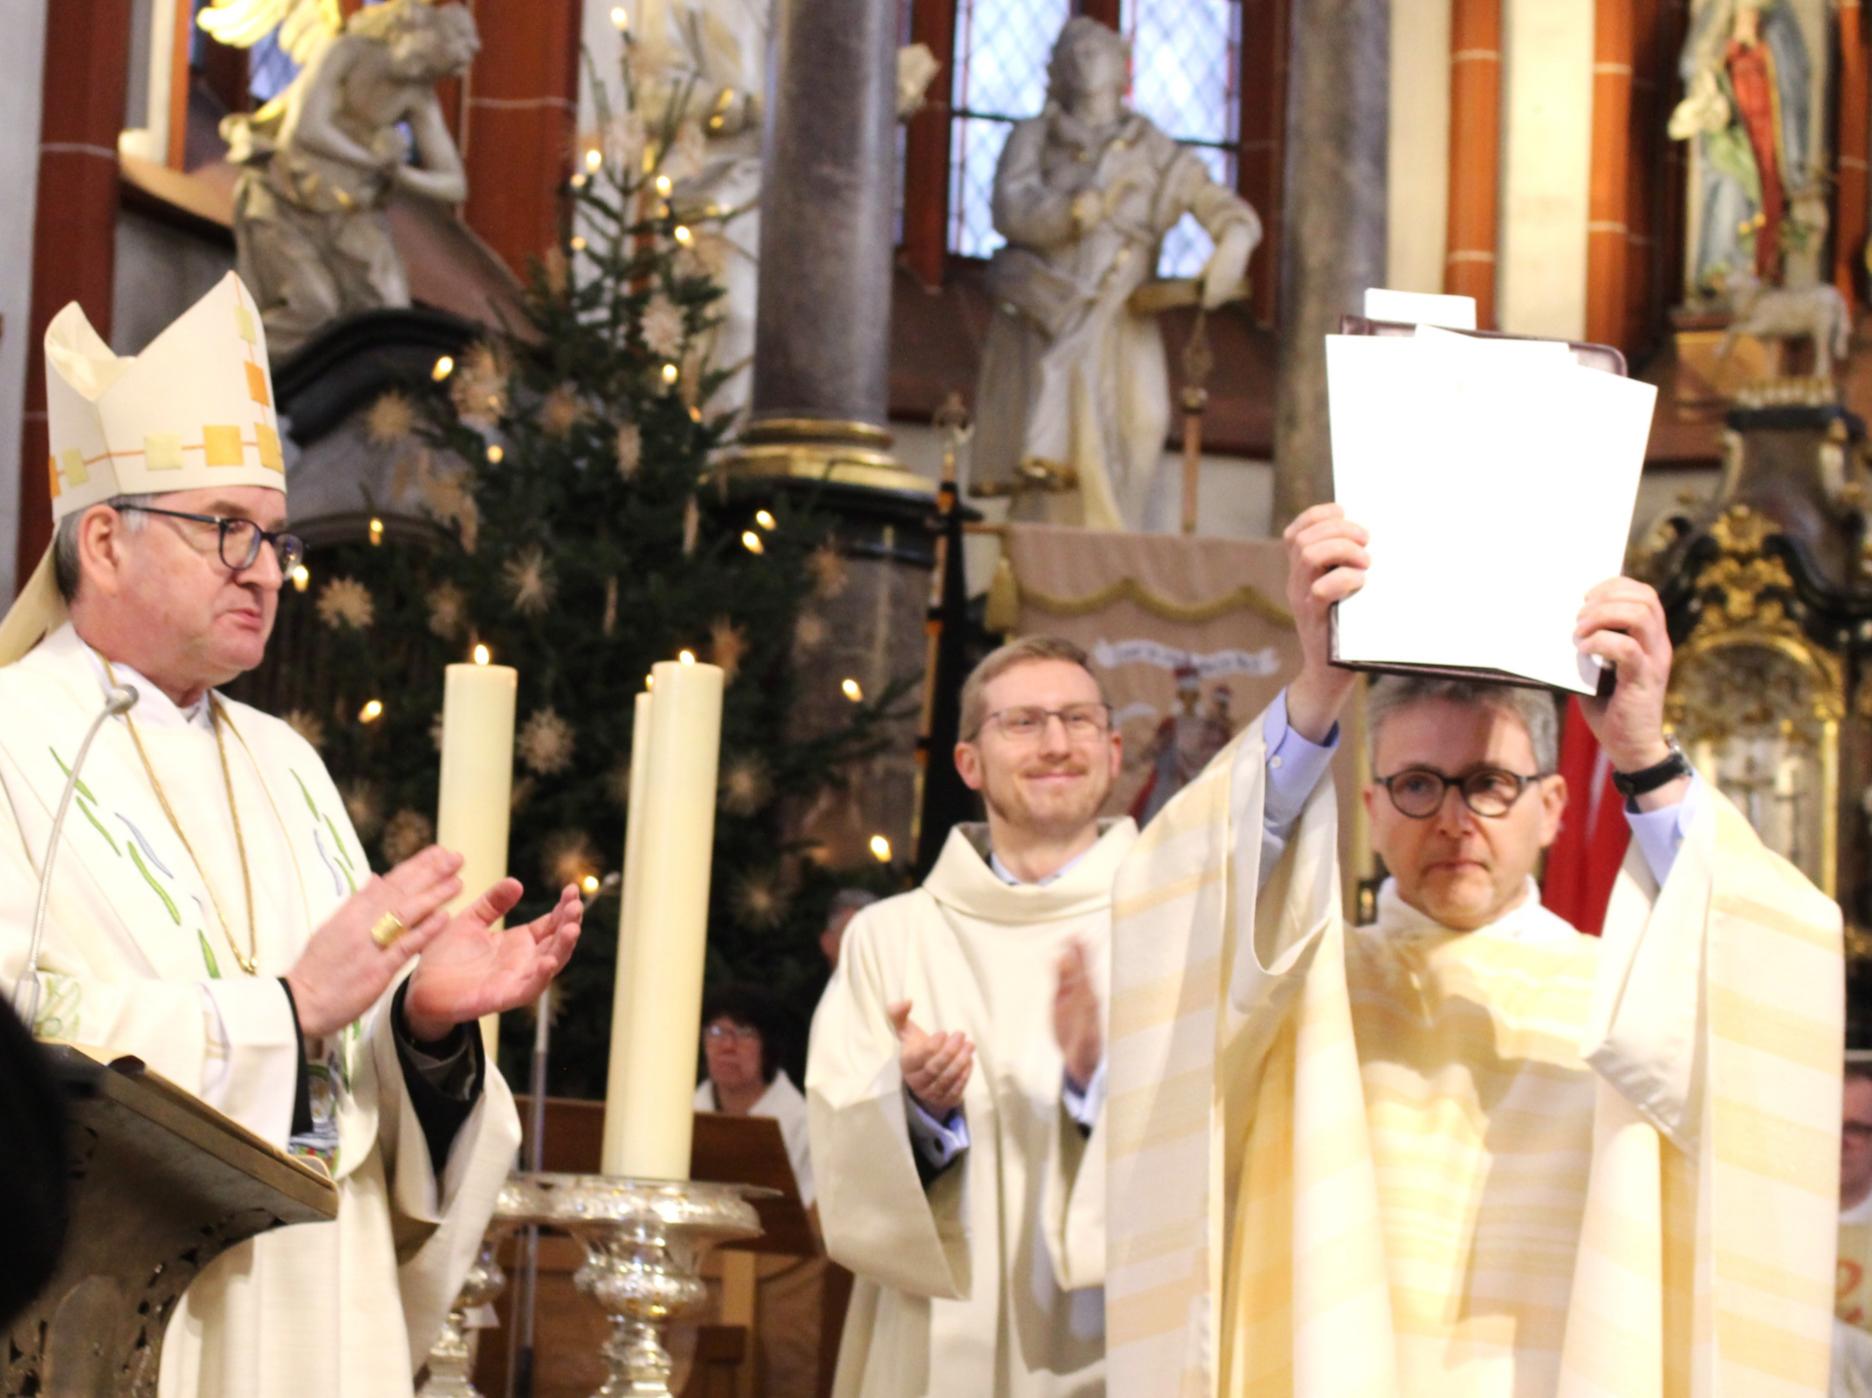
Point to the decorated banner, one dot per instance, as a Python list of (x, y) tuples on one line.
[(1190, 638)]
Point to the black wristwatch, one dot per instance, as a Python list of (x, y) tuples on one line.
[(1632, 785)]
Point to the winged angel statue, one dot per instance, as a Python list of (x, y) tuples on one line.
[(321, 161)]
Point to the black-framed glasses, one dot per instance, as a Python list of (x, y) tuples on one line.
[(1024, 723), (1490, 792), (240, 539)]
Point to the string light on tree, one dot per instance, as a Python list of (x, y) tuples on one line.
[(589, 885), (765, 519), (664, 186), (852, 690), (301, 578), (880, 849), (620, 17), (376, 530), (495, 454), (594, 159), (578, 242), (752, 542), (371, 712), (444, 366), (682, 235), (671, 373)]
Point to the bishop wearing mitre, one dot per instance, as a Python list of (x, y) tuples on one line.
[(211, 909)]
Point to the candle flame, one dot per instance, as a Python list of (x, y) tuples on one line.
[(371, 712), (444, 366), (649, 681), (482, 655), (880, 849), (851, 689), (687, 657)]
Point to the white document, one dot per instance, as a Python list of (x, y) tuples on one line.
[(1497, 479), (1420, 308)]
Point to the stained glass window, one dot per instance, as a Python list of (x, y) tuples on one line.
[(1185, 75), (999, 77)]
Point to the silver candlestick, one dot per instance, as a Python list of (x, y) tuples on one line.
[(644, 1242), (451, 1357)]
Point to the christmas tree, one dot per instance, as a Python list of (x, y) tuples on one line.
[(573, 521)]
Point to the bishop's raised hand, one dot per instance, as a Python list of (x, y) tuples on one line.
[(936, 1066)]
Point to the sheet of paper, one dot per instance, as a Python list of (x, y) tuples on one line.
[(1497, 479), (1420, 308)]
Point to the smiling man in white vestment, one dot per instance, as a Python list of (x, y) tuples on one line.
[(1466, 1150), (212, 911)]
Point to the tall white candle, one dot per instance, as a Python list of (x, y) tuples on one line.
[(648, 1113), (474, 803), (635, 819)]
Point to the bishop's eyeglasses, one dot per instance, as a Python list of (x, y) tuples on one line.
[(239, 539), (1490, 792), (1025, 723)]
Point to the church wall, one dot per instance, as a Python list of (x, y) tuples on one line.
[(1418, 158), (1546, 156), (22, 62)]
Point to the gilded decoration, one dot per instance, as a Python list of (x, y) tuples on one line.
[(1757, 704)]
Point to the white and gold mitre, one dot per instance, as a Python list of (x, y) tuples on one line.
[(194, 410)]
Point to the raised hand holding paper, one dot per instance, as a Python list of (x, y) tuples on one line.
[(1497, 478)]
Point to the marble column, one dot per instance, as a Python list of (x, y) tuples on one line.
[(1333, 223), (816, 436), (822, 342)]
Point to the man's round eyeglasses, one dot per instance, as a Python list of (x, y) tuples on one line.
[(730, 1034), (239, 539), (1026, 722), (1490, 792)]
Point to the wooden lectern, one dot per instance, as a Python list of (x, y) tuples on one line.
[(161, 1185)]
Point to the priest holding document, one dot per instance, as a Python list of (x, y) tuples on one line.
[(1467, 1150), (211, 910)]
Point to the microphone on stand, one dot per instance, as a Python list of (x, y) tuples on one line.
[(118, 699)]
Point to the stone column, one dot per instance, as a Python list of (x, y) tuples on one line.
[(1333, 224), (816, 434)]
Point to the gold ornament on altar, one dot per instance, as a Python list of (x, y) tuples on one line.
[(1757, 704)]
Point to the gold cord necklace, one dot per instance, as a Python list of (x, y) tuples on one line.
[(249, 962)]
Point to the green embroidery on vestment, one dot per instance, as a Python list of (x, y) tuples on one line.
[(207, 952), (137, 859), (311, 805), (344, 860), (85, 801), (58, 1008)]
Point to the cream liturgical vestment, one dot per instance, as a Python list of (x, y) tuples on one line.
[(1402, 1160), (139, 962), (985, 1285)]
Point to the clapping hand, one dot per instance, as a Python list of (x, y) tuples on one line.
[(470, 970), (935, 1066), (1076, 1018)]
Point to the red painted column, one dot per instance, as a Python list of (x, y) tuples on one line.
[(1849, 204), (1607, 226), (926, 148), (1474, 154), (87, 52), (520, 119), (1265, 43)]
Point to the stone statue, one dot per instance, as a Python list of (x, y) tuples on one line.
[(1754, 98), (1816, 314), (1073, 400), (323, 159)]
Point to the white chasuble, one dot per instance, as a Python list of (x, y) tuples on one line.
[(1400, 1160), (985, 1284), (142, 955)]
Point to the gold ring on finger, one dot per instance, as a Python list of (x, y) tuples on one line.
[(387, 929)]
